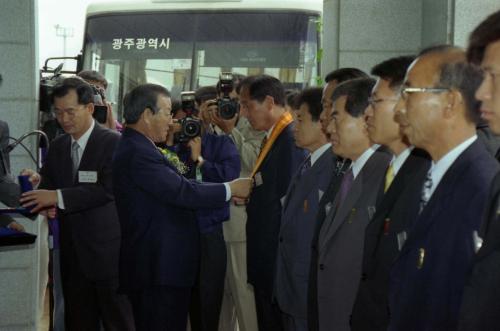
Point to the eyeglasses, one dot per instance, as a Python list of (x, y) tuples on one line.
[(374, 102), (407, 90)]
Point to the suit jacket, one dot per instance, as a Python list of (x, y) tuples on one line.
[(481, 299), (160, 238), (221, 164), (397, 206), (340, 244), (89, 222), (296, 232), (264, 209), (428, 277), (325, 204), (247, 141)]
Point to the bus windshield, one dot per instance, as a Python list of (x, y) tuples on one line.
[(185, 50)]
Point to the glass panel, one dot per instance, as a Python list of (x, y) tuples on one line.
[(183, 51)]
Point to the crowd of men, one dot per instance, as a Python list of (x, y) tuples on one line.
[(369, 204)]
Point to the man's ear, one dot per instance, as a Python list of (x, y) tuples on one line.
[(146, 115), (90, 108), (455, 102), (269, 102)]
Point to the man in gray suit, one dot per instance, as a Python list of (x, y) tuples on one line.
[(299, 212), (340, 242)]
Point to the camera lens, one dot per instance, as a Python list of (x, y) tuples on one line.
[(228, 108), (192, 128)]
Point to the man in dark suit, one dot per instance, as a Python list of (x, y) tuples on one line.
[(159, 256), (299, 212), (340, 241), (439, 115), (481, 299), (403, 180), (263, 99), (77, 179), (332, 79)]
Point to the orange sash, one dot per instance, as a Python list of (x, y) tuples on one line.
[(283, 122)]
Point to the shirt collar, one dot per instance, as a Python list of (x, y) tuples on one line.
[(319, 152), (268, 133), (83, 140), (439, 168), (398, 161), (358, 165)]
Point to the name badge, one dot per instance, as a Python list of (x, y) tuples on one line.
[(258, 179), (87, 176), (477, 240), (328, 207), (402, 236)]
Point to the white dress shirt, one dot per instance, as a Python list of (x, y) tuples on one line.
[(82, 143), (398, 161), (438, 169), (319, 152), (358, 165)]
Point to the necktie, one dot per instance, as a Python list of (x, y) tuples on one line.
[(75, 157), (306, 165), (426, 191), (345, 185), (389, 177)]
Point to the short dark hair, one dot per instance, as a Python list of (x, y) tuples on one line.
[(457, 73), (205, 93), (487, 32), (245, 82), (343, 74), (142, 97), (291, 98), (393, 70), (83, 90), (176, 106), (357, 92), (263, 86), (93, 76), (312, 98)]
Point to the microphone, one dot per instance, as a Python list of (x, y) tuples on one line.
[(16, 142)]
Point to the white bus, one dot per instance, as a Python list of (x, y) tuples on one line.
[(186, 44)]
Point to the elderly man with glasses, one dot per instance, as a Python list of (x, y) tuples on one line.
[(437, 112)]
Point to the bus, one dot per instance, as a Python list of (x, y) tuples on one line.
[(183, 45)]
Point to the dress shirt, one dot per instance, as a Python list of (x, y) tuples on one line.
[(439, 168), (320, 151), (398, 161), (358, 164), (82, 143)]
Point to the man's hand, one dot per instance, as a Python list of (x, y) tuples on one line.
[(49, 213), (241, 187), (16, 226), (40, 199), (110, 120), (195, 145), (34, 177)]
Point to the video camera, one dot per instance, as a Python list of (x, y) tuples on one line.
[(227, 107), (190, 126)]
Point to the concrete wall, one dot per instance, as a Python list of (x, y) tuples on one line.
[(361, 33), (20, 266)]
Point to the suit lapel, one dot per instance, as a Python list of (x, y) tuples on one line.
[(337, 216)]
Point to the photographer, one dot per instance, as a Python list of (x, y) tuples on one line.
[(100, 84), (239, 300), (208, 158)]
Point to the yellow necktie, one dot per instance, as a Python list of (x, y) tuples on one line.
[(389, 176)]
